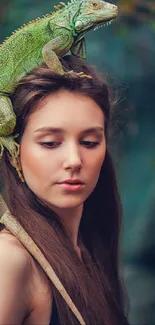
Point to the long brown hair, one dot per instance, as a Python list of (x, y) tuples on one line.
[(94, 285)]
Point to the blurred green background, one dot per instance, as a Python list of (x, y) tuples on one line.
[(126, 52)]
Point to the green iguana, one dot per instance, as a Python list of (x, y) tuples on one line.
[(45, 40)]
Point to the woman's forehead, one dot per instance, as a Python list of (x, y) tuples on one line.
[(61, 109)]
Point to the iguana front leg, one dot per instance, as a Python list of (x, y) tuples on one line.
[(7, 116), (54, 49), (7, 125)]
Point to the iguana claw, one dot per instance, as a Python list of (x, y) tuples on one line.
[(78, 74)]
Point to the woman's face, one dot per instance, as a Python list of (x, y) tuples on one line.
[(63, 141)]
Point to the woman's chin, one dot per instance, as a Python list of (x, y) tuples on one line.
[(68, 204)]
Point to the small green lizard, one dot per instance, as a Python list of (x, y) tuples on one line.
[(45, 40)]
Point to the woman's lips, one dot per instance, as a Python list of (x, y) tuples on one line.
[(71, 187)]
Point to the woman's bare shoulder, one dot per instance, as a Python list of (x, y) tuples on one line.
[(14, 251), (19, 267), (11, 247), (14, 280)]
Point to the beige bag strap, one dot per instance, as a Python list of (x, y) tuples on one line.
[(16, 229)]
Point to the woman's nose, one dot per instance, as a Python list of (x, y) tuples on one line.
[(72, 158)]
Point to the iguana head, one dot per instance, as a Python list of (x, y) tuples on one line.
[(79, 16), (93, 14)]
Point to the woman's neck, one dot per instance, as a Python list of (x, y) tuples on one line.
[(71, 219)]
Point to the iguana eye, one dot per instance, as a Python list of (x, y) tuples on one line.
[(96, 5)]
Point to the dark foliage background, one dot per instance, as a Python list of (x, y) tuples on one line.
[(126, 52)]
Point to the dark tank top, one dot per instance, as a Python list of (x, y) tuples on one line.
[(54, 317)]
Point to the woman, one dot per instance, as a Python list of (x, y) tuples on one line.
[(66, 199)]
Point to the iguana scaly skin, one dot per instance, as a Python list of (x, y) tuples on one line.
[(45, 40)]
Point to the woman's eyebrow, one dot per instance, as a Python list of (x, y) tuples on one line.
[(97, 129), (50, 130)]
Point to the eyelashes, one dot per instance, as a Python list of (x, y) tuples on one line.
[(54, 144), (90, 144), (50, 144)]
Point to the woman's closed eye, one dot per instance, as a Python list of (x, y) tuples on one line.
[(90, 144), (50, 144), (55, 144)]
